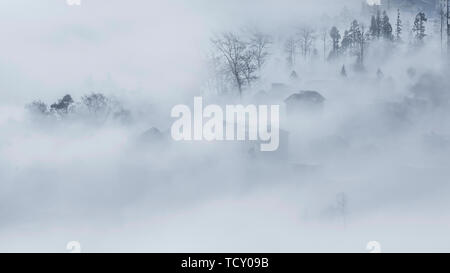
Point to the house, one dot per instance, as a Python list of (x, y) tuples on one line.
[(153, 135), (304, 101)]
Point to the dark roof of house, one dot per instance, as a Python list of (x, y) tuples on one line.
[(305, 96)]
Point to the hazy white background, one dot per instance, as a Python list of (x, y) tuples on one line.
[(104, 188)]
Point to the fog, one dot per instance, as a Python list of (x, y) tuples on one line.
[(370, 165)]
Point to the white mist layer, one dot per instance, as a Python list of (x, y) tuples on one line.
[(111, 190)]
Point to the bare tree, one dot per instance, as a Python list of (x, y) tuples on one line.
[(306, 39), (290, 47), (239, 59), (38, 107), (362, 41), (250, 66), (218, 78), (259, 44), (96, 103), (325, 41)]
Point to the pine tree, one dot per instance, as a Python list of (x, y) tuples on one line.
[(354, 33), (293, 76), (354, 42), (378, 24), (346, 41), (335, 38), (386, 27), (398, 27), (419, 27), (380, 74), (343, 72), (351, 38), (373, 27)]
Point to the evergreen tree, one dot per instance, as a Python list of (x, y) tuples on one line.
[(376, 25), (419, 27), (63, 105), (386, 27), (380, 74), (351, 38), (354, 32), (346, 41), (343, 72), (398, 27), (335, 38), (354, 42), (293, 75), (373, 27), (378, 22)]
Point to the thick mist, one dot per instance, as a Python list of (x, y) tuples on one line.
[(370, 164)]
